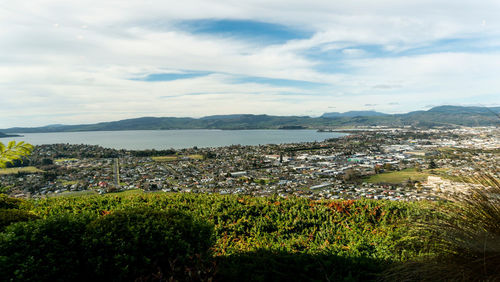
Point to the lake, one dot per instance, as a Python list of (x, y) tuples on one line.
[(177, 139)]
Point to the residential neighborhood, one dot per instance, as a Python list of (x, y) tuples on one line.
[(400, 164)]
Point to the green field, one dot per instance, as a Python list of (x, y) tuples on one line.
[(14, 170), (196, 157), (164, 158), (398, 177), (65, 160), (175, 158)]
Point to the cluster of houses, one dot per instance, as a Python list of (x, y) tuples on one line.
[(331, 169)]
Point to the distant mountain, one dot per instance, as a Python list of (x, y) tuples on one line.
[(353, 114), (438, 116), (224, 116), (465, 110)]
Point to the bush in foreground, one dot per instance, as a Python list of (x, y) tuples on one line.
[(7, 202), (43, 250), (9, 216), (120, 246), (466, 239), (11, 211), (128, 244)]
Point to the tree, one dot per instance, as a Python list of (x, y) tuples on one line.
[(13, 151), (387, 166), (432, 165), (418, 168)]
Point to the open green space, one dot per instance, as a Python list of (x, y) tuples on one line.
[(397, 177), (165, 158), (14, 170), (73, 193), (196, 157), (171, 158), (65, 160)]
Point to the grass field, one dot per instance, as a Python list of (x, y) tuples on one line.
[(14, 170), (165, 158), (65, 160), (196, 157), (174, 158), (73, 193), (396, 177)]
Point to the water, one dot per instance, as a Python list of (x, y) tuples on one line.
[(177, 139)]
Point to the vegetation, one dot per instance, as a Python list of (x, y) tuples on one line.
[(273, 238), (136, 242), (3, 135), (12, 210), (176, 157), (14, 170), (397, 177), (438, 116), (191, 237), (165, 158), (13, 151), (467, 237), (60, 160)]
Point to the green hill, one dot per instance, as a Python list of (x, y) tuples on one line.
[(438, 116)]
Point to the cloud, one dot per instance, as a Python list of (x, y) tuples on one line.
[(353, 52), (68, 62)]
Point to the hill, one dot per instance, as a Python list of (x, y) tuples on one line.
[(353, 114), (438, 116), (3, 135)]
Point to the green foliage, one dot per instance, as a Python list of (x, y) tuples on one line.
[(13, 210), (291, 237), (398, 177), (432, 164), (9, 216), (44, 250), (465, 239), (13, 151), (119, 246), (132, 243), (264, 265), (7, 202)]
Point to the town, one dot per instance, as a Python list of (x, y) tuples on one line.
[(401, 164)]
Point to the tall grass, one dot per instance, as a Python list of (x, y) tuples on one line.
[(465, 238)]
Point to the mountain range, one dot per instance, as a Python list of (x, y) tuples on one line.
[(437, 116), (354, 114)]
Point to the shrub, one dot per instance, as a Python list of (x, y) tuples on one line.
[(133, 243), (9, 216), (7, 202), (43, 250), (120, 246), (465, 237)]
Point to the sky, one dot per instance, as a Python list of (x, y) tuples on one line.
[(86, 61)]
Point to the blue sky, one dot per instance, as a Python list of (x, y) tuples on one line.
[(82, 62), (263, 33)]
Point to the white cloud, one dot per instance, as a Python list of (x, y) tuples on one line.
[(72, 62)]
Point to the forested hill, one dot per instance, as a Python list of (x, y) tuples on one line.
[(3, 135), (437, 116)]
